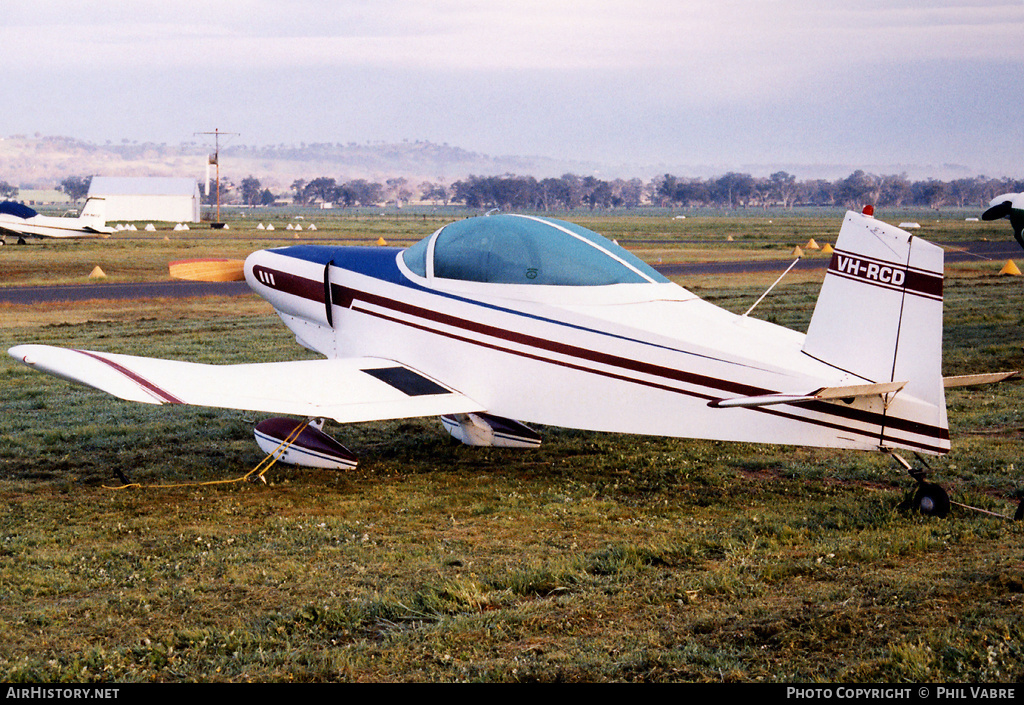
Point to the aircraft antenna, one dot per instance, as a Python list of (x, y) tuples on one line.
[(771, 287), (215, 160)]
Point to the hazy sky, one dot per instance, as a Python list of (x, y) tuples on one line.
[(680, 82)]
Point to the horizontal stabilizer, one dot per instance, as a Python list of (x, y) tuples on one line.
[(973, 380), (822, 394), (348, 390)]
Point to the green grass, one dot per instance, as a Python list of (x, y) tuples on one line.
[(653, 234), (593, 558)]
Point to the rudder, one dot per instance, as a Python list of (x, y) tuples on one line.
[(879, 314)]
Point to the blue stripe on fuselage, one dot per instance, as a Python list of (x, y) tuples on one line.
[(377, 262), (382, 263)]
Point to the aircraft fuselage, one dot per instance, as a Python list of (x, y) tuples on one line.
[(645, 358)]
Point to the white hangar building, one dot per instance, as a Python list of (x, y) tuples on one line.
[(148, 198)]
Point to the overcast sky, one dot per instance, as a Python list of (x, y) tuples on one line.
[(726, 83)]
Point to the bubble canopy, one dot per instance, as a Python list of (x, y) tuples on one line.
[(518, 249)]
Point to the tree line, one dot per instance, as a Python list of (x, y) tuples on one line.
[(573, 192), (730, 190)]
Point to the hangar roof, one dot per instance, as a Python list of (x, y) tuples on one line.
[(142, 186)]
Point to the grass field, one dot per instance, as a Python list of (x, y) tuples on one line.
[(592, 558)]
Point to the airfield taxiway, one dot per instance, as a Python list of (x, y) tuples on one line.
[(994, 251)]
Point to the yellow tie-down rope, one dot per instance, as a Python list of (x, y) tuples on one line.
[(262, 467)]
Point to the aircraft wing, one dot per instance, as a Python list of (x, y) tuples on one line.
[(50, 231), (347, 390)]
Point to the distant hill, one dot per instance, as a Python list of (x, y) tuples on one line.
[(43, 162)]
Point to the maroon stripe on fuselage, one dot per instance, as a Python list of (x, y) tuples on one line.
[(617, 361), (290, 283), (347, 297), (546, 344), (821, 407)]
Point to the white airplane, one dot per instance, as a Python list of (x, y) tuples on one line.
[(507, 317), (21, 221), (1009, 205)]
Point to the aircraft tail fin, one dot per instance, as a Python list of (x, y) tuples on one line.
[(879, 314), (95, 211)]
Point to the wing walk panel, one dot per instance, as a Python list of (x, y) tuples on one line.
[(406, 381)]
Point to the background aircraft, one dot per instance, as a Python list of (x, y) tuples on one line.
[(495, 321), (1009, 205), (21, 221)]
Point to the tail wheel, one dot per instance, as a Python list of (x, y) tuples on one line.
[(931, 500)]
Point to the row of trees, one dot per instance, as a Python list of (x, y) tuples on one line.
[(731, 190), (571, 192), (76, 187), (742, 190)]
